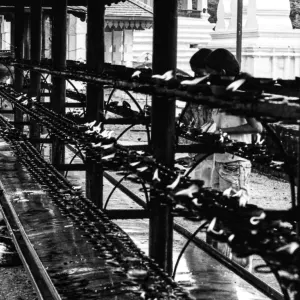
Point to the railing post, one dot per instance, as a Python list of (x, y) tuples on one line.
[(163, 129), (59, 50), (95, 94), (239, 31), (19, 54), (35, 51)]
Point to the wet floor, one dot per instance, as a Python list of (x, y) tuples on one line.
[(202, 275), (66, 251), (82, 263)]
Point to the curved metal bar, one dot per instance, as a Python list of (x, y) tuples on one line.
[(42, 145), (10, 72), (133, 99), (109, 98), (116, 186), (288, 167), (45, 80), (76, 90), (188, 104), (74, 87), (140, 109), (81, 155), (26, 77), (78, 153), (185, 246), (275, 273), (145, 192), (26, 74), (124, 131), (148, 135), (197, 163)]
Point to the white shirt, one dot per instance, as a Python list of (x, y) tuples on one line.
[(224, 120)]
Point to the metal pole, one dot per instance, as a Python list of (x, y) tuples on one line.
[(95, 94), (163, 129), (239, 31), (19, 54), (59, 46), (12, 34), (35, 51)]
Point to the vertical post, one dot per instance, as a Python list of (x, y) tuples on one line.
[(239, 31), (35, 53), (19, 54), (27, 37), (112, 44), (58, 95), (95, 95), (298, 191), (163, 129), (12, 34), (44, 18), (123, 47)]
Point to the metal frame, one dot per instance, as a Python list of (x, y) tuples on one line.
[(163, 109)]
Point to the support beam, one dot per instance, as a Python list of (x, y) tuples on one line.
[(35, 53), (127, 214), (95, 94), (163, 129), (239, 31), (19, 55), (12, 34), (59, 50), (27, 37)]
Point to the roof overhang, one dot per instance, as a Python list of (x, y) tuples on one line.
[(50, 2), (112, 22)]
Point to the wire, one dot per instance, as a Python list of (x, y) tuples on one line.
[(186, 245), (11, 45), (197, 162)]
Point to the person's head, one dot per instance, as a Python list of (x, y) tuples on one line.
[(197, 61), (222, 62)]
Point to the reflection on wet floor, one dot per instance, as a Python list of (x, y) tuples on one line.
[(198, 272), (203, 276)]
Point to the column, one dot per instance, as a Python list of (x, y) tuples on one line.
[(95, 95), (59, 46), (163, 129), (19, 54), (35, 51), (239, 31), (27, 37)]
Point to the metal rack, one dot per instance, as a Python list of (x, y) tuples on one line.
[(163, 120)]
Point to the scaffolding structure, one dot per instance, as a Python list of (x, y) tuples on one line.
[(158, 171)]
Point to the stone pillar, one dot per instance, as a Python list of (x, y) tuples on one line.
[(108, 47), (269, 14), (271, 48), (201, 4), (117, 47), (223, 15), (128, 47)]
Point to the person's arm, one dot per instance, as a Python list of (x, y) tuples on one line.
[(252, 126)]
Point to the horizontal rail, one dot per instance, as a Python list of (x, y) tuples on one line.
[(279, 110), (127, 214)]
